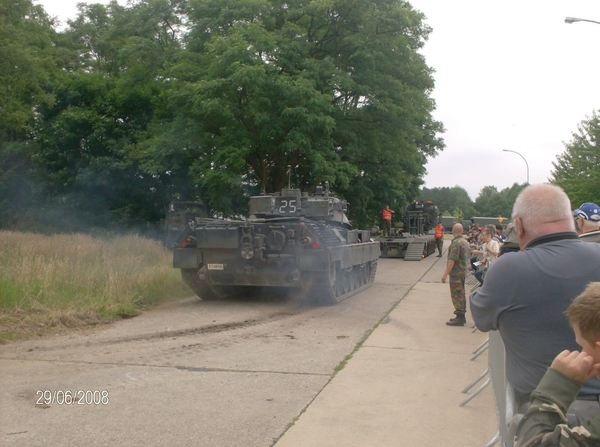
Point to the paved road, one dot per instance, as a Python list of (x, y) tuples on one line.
[(230, 373)]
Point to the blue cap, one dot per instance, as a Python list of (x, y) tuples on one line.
[(588, 211)]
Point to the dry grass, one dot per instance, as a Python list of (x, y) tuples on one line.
[(66, 281)]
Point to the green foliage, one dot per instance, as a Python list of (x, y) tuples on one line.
[(494, 203), (577, 170), (26, 71), (211, 100), (458, 215), (489, 203), (335, 90), (26, 65), (450, 201)]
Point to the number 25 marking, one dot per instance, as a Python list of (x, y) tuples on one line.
[(291, 206)]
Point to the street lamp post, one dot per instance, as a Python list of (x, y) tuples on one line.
[(571, 20), (526, 164)]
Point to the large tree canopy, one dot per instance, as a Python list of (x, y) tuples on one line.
[(132, 106), (577, 170), (336, 90)]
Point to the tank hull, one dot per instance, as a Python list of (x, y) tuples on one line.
[(326, 263)]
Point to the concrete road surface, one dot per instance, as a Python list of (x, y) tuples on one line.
[(242, 372)]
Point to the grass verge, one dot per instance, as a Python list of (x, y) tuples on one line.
[(48, 283)]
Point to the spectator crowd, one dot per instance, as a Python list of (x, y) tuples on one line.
[(540, 288)]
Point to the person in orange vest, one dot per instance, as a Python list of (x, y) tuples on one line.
[(439, 238), (386, 216)]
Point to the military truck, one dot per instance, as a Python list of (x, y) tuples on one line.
[(415, 240), (298, 241)]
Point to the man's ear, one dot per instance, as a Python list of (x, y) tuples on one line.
[(519, 227)]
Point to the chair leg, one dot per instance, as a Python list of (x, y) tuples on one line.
[(474, 382), (493, 441), (475, 393)]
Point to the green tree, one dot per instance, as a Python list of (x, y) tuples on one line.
[(577, 170), (494, 203), (450, 201), (26, 71), (113, 61), (336, 90)]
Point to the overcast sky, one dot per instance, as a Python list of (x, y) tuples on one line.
[(509, 75)]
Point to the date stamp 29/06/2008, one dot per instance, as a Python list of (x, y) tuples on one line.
[(72, 397)]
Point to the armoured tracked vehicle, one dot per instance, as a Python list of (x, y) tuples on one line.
[(291, 239), (415, 240)]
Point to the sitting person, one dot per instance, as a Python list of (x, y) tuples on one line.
[(545, 423)]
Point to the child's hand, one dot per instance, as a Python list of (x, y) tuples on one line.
[(577, 365)]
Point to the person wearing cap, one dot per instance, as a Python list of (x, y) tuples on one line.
[(526, 293), (587, 222)]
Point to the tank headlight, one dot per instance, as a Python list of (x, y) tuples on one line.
[(247, 251), (305, 241), (247, 248), (315, 244)]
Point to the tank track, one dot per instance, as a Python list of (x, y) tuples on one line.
[(201, 288), (331, 287), (326, 288)]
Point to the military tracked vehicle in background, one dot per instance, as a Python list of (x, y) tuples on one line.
[(416, 239), (294, 240)]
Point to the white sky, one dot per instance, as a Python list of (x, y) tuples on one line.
[(509, 75)]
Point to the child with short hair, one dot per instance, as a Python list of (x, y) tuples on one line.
[(545, 423)]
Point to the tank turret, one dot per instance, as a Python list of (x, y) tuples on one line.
[(320, 206)]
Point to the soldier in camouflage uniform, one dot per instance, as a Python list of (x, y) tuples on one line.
[(456, 268), (546, 423)]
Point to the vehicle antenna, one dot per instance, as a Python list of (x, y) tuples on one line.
[(289, 173)]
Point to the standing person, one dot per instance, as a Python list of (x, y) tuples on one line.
[(386, 216), (544, 424), (490, 250), (587, 222), (439, 238), (456, 268), (527, 292)]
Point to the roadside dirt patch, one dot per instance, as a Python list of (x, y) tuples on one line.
[(21, 325)]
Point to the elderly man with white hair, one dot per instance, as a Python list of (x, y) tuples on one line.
[(587, 222), (526, 293)]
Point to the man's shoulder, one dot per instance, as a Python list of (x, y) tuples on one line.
[(459, 240), (593, 236)]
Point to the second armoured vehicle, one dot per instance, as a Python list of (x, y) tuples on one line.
[(414, 240), (292, 239)]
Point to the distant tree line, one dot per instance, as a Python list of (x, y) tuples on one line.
[(577, 171), (490, 202)]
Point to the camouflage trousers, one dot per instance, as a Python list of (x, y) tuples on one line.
[(457, 293)]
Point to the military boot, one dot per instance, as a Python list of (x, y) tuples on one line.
[(459, 320)]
